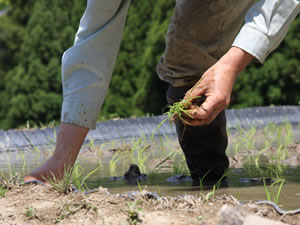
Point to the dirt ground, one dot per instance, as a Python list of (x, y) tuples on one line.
[(36, 204)]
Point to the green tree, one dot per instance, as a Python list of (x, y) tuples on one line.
[(12, 29), (135, 88), (33, 87), (277, 81), (4, 4)]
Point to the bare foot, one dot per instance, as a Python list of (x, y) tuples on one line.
[(69, 140), (50, 169)]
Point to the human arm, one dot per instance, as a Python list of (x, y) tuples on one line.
[(216, 84), (266, 25)]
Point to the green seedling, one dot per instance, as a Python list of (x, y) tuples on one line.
[(141, 158), (273, 192), (139, 186), (63, 185), (139, 155), (288, 137), (30, 213), (114, 162), (79, 179), (12, 177), (37, 153), (178, 169), (92, 142), (279, 131), (133, 213), (2, 191), (136, 145), (237, 147), (160, 166), (211, 195), (258, 156), (281, 153), (71, 176), (99, 158), (24, 162), (52, 141), (201, 180), (218, 184), (158, 191), (248, 139), (179, 165)]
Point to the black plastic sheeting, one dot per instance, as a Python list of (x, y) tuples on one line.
[(125, 129)]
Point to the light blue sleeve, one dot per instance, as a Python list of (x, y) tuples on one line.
[(87, 66), (267, 23)]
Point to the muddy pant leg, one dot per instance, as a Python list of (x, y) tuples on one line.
[(200, 32), (87, 66)]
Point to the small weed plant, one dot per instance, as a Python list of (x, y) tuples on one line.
[(72, 177), (63, 185), (133, 213), (30, 213), (2, 191)]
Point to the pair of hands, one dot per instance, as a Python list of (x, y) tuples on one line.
[(216, 85)]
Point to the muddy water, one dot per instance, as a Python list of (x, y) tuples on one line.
[(239, 180), (237, 185)]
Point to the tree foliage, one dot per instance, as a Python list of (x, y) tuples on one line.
[(135, 88), (277, 81), (32, 90), (34, 35)]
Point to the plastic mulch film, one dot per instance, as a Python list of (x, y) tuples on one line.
[(124, 129)]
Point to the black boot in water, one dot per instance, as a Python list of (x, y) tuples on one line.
[(204, 146)]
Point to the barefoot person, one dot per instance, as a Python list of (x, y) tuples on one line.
[(203, 39)]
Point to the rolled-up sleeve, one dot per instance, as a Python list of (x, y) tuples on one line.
[(87, 66), (266, 25)]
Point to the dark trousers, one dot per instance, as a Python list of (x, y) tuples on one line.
[(204, 146)]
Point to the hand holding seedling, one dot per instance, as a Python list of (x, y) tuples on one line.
[(216, 85)]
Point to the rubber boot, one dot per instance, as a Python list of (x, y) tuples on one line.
[(204, 146)]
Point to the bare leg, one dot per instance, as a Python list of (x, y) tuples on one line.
[(69, 141)]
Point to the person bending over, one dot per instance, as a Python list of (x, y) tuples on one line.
[(204, 39)]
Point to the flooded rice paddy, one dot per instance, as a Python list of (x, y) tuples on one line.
[(273, 153)]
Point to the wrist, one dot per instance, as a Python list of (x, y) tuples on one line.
[(236, 59)]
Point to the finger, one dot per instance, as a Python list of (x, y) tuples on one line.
[(197, 122), (208, 107), (195, 91)]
